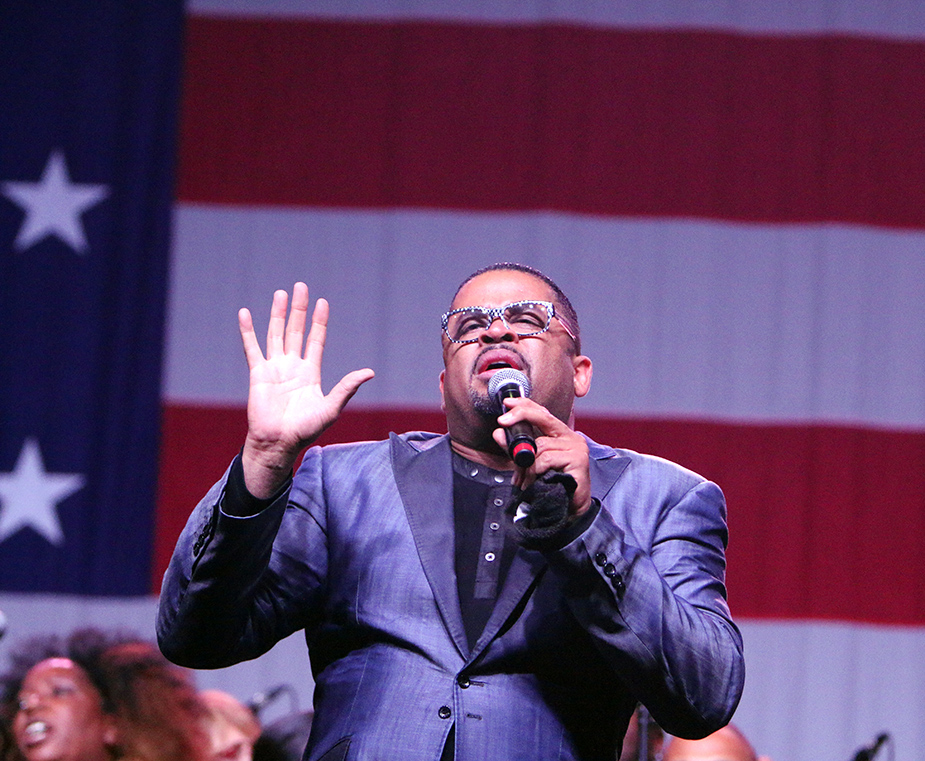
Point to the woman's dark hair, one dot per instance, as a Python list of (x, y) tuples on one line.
[(157, 710), (159, 714), (85, 647)]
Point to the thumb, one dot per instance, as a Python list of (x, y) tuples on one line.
[(348, 385)]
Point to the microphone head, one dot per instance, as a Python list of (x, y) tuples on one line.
[(507, 382), (261, 700)]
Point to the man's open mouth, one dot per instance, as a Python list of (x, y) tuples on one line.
[(497, 360)]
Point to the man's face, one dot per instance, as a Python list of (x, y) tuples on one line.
[(556, 374), (60, 717)]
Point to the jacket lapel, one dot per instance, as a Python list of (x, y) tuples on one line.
[(424, 475), (425, 482)]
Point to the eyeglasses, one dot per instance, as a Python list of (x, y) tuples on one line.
[(525, 318)]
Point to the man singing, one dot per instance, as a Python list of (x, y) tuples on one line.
[(456, 605)]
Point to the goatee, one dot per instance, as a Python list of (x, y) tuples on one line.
[(483, 404)]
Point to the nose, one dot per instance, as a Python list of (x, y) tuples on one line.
[(498, 332), (29, 700)]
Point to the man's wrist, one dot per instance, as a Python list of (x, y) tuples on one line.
[(238, 500), (265, 470)]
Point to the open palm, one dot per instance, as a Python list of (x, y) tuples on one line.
[(286, 406)]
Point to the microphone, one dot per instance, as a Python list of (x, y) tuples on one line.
[(867, 752), (261, 700), (505, 384)]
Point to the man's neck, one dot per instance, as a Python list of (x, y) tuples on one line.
[(493, 460)]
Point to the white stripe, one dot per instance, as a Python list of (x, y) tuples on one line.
[(819, 691), (902, 19), (682, 318)]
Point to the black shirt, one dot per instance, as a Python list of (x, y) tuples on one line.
[(483, 549)]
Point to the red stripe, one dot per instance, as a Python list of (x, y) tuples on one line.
[(603, 121), (198, 443), (825, 522)]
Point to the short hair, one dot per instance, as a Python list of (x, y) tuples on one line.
[(562, 302)]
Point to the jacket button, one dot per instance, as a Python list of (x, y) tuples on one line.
[(444, 712), (610, 570), (463, 681), (618, 585), (600, 558)]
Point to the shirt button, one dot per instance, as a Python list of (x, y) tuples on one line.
[(489, 556), (610, 570), (494, 526), (444, 712), (463, 681), (498, 502), (618, 585), (600, 558)]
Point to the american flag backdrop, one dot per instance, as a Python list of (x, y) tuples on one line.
[(732, 193)]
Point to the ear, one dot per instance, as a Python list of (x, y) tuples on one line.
[(442, 398), (583, 372)]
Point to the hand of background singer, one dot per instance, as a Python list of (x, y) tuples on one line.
[(558, 448), (286, 407)]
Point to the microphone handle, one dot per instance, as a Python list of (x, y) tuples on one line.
[(521, 444)]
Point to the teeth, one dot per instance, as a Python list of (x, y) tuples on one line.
[(36, 730)]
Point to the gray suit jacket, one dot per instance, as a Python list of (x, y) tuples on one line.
[(359, 554)]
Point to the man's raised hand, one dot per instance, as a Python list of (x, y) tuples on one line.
[(286, 407)]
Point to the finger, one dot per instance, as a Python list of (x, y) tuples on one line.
[(314, 349), (500, 438), (524, 478), (295, 328), (561, 451), (277, 326), (252, 351), (562, 460), (348, 385), (523, 409)]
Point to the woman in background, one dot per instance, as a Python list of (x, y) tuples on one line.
[(99, 697)]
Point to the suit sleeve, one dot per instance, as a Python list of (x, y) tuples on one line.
[(229, 594), (651, 593)]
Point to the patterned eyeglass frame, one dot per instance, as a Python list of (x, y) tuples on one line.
[(497, 313)]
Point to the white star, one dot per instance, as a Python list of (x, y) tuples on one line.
[(53, 205), (28, 495)]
